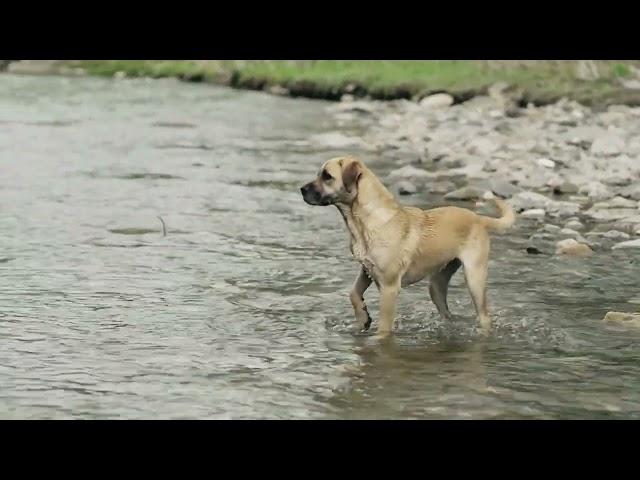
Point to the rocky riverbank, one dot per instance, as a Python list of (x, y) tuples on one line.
[(571, 172)]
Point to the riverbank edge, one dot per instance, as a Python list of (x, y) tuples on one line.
[(595, 94)]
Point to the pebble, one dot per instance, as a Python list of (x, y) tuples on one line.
[(440, 187), (450, 162), (482, 146), (617, 180), (503, 189), (632, 191), (607, 214), (541, 237), (596, 191), (563, 208), (568, 232), (278, 90), (550, 228), (616, 234), (608, 145), (406, 188), (546, 163), (335, 140), (565, 188), (628, 244), (574, 224), (617, 202), (465, 193), (529, 200), (438, 100), (409, 171), (631, 223), (533, 213)]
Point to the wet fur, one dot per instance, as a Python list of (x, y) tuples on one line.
[(398, 245)]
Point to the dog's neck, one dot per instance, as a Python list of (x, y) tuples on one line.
[(373, 207)]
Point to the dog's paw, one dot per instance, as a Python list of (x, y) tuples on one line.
[(364, 326), (381, 336), (484, 330)]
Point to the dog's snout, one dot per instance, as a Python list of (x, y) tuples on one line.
[(313, 196)]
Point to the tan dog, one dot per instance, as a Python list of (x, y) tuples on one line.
[(398, 245)]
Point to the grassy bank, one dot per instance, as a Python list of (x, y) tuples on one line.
[(539, 82)]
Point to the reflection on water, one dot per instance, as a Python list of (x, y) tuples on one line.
[(241, 309)]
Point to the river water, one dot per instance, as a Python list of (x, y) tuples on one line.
[(241, 310)]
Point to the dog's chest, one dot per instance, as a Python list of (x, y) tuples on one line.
[(361, 255)]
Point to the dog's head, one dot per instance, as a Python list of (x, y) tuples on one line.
[(337, 182)]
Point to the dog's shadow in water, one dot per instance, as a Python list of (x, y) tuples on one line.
[(401, 377)]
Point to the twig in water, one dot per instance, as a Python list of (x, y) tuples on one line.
[(164, 228)]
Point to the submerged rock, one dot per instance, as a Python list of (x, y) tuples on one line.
[(573, 248), (623, 318)]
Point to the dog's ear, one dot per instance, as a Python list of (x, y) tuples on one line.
[(351, 175)]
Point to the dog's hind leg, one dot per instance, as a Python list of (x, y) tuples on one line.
[(357, 299), (476, 263), (439, 285)]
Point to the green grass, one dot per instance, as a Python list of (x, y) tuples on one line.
[(143, 68), (542, 81), (620, 70), (369, 74)]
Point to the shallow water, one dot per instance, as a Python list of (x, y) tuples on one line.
[(241, 311)]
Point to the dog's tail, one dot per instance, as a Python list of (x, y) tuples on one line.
[(506, 220)]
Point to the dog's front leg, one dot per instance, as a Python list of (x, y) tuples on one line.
[(388, 298), (357, 299)]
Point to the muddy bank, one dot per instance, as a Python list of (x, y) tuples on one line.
[(310, 89)]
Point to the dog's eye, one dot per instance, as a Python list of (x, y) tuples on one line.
[(325, 176)]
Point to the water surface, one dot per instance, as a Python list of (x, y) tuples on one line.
[(241, 311)]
